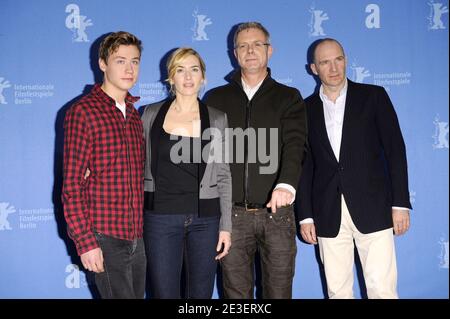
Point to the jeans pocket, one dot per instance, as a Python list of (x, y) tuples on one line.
[(282, 221), (283, 224)]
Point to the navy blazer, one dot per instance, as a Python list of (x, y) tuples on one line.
[(371, 172)]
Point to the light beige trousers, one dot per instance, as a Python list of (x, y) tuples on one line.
[(377, 254)]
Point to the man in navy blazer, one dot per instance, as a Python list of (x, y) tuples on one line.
[(354, 185)]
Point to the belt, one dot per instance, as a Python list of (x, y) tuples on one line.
[(250, 206)]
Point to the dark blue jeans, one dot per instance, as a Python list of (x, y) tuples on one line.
[(125, 268), (171, 240)]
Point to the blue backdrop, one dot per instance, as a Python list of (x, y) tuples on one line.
[(48, 60)]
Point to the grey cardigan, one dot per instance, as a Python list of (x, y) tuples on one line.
[(216, 180)]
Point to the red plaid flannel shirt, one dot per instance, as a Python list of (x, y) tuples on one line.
[(110, 200)]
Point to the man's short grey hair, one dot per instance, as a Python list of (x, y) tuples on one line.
[(250, 25)]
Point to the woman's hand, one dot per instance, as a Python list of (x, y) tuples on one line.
[(224, 244)]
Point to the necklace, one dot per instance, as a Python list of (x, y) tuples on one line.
[(187, 117), (179, 109)]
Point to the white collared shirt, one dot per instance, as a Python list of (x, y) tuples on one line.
[(334, 117), (250, 91)]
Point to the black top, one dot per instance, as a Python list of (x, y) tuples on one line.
[(206, 207), (177, 177)]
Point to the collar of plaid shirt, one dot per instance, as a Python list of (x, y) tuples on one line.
[(97, 90)]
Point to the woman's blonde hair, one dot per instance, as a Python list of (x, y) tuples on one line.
[(175, 59)]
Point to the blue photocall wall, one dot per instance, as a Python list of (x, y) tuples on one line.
[(48, 60)]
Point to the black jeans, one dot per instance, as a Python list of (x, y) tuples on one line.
[(273, 235), (171, 240), (125, 268)]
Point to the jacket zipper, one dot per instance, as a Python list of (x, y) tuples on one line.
[(247, 125)]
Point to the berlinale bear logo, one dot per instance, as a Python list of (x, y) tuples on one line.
[(77, 23), (4, 84), (201, 22), (317, 17), (443, 257), (359, 73), (5, 210), (440, 134), (435, 18)]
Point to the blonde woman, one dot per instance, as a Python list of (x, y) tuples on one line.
[(187, 196)]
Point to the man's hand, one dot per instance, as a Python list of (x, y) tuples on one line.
[(225, 241), (280, 197), (308, 232), (400, 218), (93, 260)]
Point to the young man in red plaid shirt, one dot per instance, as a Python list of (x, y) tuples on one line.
[(103, 173)]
